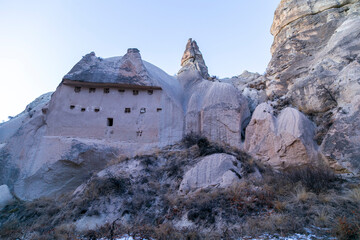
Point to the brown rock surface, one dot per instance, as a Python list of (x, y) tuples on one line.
[(283, 141)]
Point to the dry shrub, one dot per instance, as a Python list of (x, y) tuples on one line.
[(354, 195), (117, 160), (314, 178), (105, 186), (348, 227), (10, 230), (301, 194), (252, 199), (205, 146), (270, 223), (323, 218)]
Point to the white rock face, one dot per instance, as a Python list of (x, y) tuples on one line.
[(216, 170), (9, 128), (5, 196), (282, 142), (213, 109), (252, 86), (316, 66)]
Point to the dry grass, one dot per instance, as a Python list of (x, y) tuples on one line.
[(354, 194), (301, 194)]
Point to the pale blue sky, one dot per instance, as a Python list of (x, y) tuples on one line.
[(40, 40)]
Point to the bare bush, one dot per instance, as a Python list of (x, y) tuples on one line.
[(313, 178)]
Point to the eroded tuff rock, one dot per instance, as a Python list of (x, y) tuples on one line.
[(341, 146), (9, 128), (217, 170), (214, 109), (282, 141), (314, 41), (316, 66), (252, 86), (193, 59), (127, 69)]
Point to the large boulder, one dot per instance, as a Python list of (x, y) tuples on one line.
[(216, 170), (283, 141)]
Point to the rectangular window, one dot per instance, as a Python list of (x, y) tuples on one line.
[(121, 90), (83, 109), (135, 92), (158, 109), (110, 122), (127, 110), (106, 90), (143, 110), (92, 90), (96, 109), (77, 89), (150, 92), (72, 107)]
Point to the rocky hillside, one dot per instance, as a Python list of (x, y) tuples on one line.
[(277, 153)]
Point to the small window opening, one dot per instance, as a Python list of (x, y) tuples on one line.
[(121, 90), (96, 110), (92, 90), (83, 109), (110, 122), (143, 110), (72, 106), (106, 90), (139, 133), (127, 110), (158, 109), (135, 92), (77, 89), (150, 92)]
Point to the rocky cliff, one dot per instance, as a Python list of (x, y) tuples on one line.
[(315, 67)]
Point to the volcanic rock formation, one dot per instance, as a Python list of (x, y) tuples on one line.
[(316, 66), (304, 110), (193, 59)]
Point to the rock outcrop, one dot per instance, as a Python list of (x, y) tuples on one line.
[(341, 146), (315, 67), (193, 59), (214, 109), (5, 196), (252, 86), (128, 69), (283, 141), (217, 170)]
